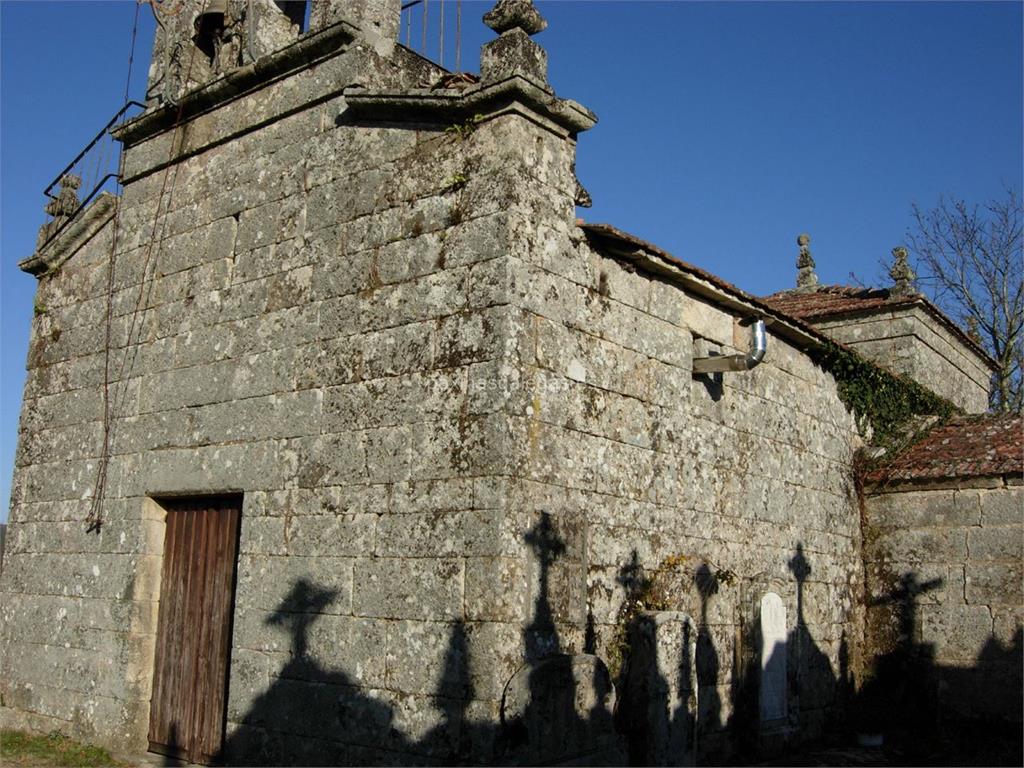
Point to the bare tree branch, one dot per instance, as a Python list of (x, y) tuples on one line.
[(970, 259)]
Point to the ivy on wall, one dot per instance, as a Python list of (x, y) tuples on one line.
[(885, 401)]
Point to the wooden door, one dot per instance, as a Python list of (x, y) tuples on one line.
[(193, 640)]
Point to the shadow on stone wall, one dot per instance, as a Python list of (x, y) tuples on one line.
[(557, 707), (938, 714), (684, 720)]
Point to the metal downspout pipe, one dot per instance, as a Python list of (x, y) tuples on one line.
[(751, 359)]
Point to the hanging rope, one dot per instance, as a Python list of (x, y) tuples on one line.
[(94, 520), (424, 46), (440, 47), (458, 35)]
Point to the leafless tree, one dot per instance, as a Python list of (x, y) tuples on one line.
[(970, 261)]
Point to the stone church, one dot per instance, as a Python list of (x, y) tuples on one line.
[(345, 441)]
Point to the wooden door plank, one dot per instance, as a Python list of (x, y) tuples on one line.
[(188, 709), (158, 714), (205, 684), (223, 615)]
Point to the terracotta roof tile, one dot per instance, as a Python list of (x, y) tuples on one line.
[(836, 300), (968, 446)]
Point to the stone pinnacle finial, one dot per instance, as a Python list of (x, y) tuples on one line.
[(66, 202), (60, 208), (973, 331), (806, 278), (902, 275), (515, 14), (514, 53)]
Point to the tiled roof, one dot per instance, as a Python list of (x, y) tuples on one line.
[(968, 446), (835, 300), (604, 234), (830, 301)]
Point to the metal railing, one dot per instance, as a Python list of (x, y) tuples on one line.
[(97, 167), (433, 28)]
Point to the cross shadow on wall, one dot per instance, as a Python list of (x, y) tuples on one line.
[(685, 719), (298, 719), (556, 707), (784, 690), (938, 713), (313, 714)]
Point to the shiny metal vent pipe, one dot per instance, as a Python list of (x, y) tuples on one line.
[(736, 362)]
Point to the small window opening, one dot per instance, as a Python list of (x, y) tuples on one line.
[(297, 12)]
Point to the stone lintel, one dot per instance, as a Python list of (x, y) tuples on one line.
[(308, 49), (73, 236), (515, 93)]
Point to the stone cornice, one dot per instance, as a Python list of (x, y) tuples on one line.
[(483, 102), (309, 48), (73, 236)]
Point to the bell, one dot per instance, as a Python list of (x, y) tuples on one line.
[(212, 14), (209, 24)]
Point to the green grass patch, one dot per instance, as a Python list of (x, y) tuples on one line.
[(25, 749)]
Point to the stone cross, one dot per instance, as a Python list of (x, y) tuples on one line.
[(902, 275), (806, 278)]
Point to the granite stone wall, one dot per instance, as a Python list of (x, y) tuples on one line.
[(466, 437), (910, 341), (741, 484), (944, 590), (307, 319)]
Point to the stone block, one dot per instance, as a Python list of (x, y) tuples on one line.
[(397, 588), (433, 496), (909, 547), (496, 589), (1008, 624), (958, 632), (925, 509), (472, 337), (430, 534), (995, 583), (1004, 506), (428, 657), (396, 351), (388, 454), (288, 289), (329, 535), (995, 544)]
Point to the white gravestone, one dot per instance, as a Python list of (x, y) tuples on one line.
[(773, 658)]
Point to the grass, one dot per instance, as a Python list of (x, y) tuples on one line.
[(19, 749)]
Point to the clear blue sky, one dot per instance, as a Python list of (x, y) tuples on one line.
[(725, 128)]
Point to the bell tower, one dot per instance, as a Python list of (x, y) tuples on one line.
[(197, 41)]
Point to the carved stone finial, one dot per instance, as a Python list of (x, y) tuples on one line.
[(66, 202), (806, 278), (515, 14), (902, 275), (60, 208), (514, 53), (973, 331)]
